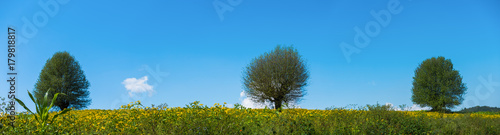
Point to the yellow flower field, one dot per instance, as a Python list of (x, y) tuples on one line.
[(218, 119)]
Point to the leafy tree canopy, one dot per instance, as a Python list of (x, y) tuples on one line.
[(63, 74), (437, 85), (278, 77)]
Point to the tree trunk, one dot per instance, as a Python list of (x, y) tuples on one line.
[(277, 104), (63, 106)]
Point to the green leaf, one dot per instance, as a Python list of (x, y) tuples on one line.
[(44, 112), (53, 100), (36, 118), (31, 96), (22, 104), (45, 100), (35, 101)]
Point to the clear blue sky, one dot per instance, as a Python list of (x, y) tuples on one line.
[(202, 52)]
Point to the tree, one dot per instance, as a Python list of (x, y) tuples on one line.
[(62, 73), (480, 109), (277, 77), (437, 85)]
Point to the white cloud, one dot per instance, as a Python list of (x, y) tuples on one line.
[(418, 108), (138, 86), (242, 94), (414, 107), (248, 103), (393, 107)]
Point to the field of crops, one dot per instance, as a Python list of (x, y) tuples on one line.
[(218, 119)]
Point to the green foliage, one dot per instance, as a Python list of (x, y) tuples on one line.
[(480, 109), (42, 109), (62, 73), (437, 85), (348, 107), (239, 106), (3, 106), (218, 119), (196, 105), (132, 105), (290, 106), (277, 77), (404, 107), (375, 107), (378, 107), (162, 106), (331, 108)]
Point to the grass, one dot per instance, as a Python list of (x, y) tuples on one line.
[(218, 119)]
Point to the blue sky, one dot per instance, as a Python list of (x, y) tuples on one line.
[(188, 51)]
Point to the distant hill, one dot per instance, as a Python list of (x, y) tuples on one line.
[(480, 109)]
